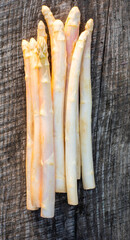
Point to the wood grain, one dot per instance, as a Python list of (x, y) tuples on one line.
[(102, 213)]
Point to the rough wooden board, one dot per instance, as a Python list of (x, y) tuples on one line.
[(104, 212)]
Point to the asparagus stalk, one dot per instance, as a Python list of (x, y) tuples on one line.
[(58, 92), (46, 132), (71, 113), (85, 113), (36, 165), (72, 34), (78, 156), (29, 138)]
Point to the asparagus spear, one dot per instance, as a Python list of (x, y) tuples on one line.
[(72, 34), (85, 113), (58, 56), (71, 113), (58, 92), (46, 132), (36, 165), (29, 138)]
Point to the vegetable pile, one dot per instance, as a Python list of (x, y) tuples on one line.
[(59, 142)]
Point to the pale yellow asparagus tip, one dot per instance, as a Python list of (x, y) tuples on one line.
[(73, 18), (89, 25), (83, 35), (58, 26), (25, 45), (25, 48), (46, 11), (33, 43), (41, 30), (41, 25)]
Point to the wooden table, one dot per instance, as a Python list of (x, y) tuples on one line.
[(102, 213)]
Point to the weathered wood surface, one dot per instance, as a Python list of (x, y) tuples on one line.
[(104, 212)]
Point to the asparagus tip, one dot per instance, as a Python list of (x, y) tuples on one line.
[(41, 25), (89, 25), (33, 43), (73, 17), (41, 30), (25, 44), (83, 35), (45, 10)]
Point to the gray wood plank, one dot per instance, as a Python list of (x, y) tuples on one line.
[(102, 213)]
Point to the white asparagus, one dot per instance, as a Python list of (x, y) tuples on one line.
[(58, 59), (58, 92), (36, 165), (85, 113), (72, 33), (29, 119), (71, 113), (49, 18), (41, 30), (46, 132)]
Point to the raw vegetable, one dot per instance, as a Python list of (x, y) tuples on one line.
[(58, 93), (36, 164), (71, 126), (72, 33), (29, 138), (46, 132), (55, 150), (85, 113)]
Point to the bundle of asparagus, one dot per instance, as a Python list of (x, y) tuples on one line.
[(58, 134)]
